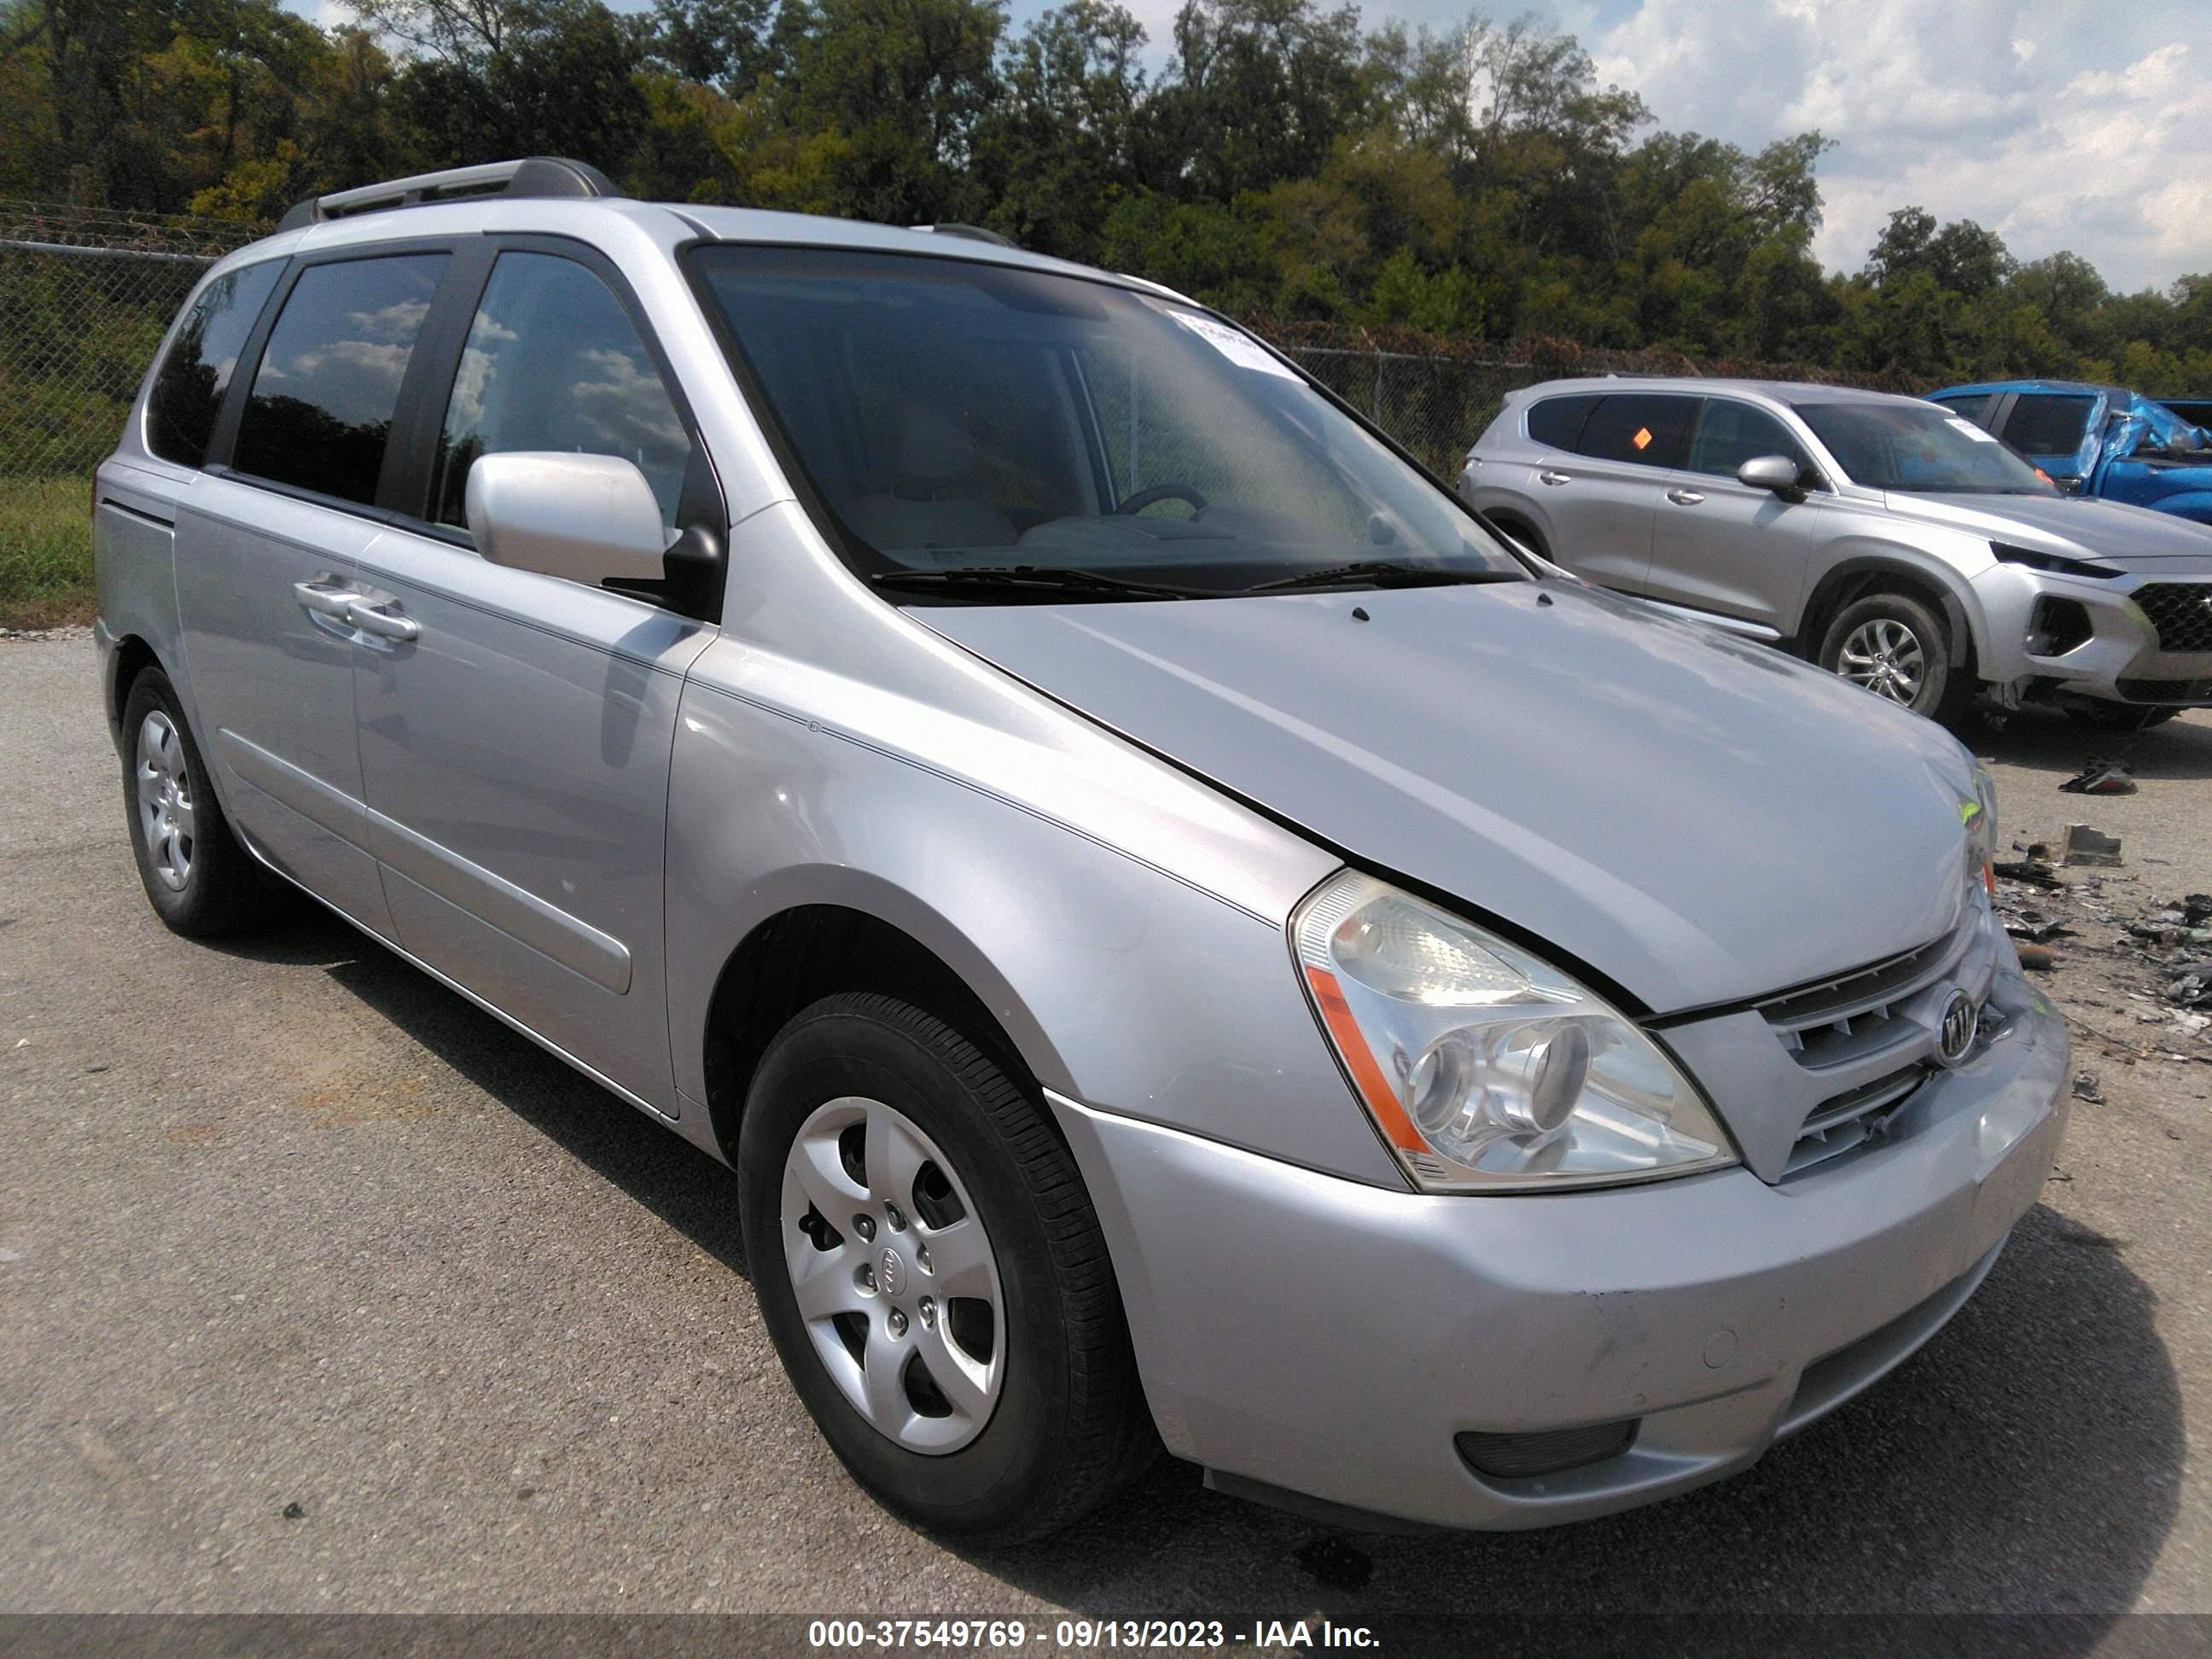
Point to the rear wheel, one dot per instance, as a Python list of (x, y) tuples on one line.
[(198, 878), (1897, 648), (933, 1277)]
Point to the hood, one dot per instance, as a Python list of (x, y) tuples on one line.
[(2075, 526), (1698, 819)]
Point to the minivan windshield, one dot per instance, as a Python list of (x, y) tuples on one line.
[(1919, 448), (986, 433)]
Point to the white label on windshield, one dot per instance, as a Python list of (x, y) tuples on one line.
[(1970, 429), (1244, 352)]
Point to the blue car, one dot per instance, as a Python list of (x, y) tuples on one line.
[(2097, 440)]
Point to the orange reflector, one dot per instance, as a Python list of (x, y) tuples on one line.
[(1642, 438), (1374, 1087)]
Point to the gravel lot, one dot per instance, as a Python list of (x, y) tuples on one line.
[(320, 1290)]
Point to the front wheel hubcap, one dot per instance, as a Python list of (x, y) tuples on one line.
[(1886, 658), (166, 820), (907, 1316)]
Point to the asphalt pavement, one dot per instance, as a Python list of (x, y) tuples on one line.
[(320, 1290)]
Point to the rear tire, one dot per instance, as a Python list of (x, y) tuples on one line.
[(1007, 1405), (1897, 648), (200, 881)]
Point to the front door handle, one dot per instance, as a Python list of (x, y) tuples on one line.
[(1684, 497), (324, 598), (1551, 478), (382, 624)]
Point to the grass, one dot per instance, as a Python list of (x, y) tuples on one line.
[(46, 552)]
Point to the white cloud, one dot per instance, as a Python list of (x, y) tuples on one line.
[(2056, 124)]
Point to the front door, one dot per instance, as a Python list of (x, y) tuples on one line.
[(516, 728), (1721, 547)]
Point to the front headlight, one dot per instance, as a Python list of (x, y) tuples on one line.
[(1486, 1069)]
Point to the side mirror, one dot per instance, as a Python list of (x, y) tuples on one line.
[(1776, 472), (588, 518)]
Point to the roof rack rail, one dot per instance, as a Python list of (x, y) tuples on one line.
[(973, 233), (534, 175)]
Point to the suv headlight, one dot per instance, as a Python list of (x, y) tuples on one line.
[(1485, 1069)]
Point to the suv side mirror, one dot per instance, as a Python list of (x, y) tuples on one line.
[(1776, 472), (592, 519)]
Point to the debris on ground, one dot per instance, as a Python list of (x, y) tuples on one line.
[(2108, 777), (2085, 844), (2037, 957), (2085, 1088), (2036, 872)]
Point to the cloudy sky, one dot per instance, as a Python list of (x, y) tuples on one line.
[(2059, 124)]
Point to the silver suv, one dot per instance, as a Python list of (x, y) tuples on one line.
[(1883, 538), (1182, 936)]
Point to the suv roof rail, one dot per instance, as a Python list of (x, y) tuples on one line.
[(534, 175), (973, 233)]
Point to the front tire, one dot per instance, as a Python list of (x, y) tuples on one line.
[(1897, 648), (200, 881), (933, 1277)]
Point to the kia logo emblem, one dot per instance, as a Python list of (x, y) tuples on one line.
[(1962, 1023)]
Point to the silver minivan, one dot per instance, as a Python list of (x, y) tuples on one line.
[(1184, 936)]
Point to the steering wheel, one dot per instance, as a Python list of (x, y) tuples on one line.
[(1163, 492)]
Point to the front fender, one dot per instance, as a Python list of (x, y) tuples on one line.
[(1063, 874)]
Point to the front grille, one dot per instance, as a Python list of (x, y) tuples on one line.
[(2182, 613), (2166, 691), (1849, 1120), (1869, 1035)]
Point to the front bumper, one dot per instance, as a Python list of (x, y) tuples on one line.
[(1329, 1340), (2122, 659)]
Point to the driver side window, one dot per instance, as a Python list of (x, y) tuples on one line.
[(1733, 433), (554, 363)]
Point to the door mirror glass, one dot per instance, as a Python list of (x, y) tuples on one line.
[(588, 518), (1778, 473)]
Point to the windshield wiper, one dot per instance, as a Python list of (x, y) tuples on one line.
[(1384, 573), (1065, 578)]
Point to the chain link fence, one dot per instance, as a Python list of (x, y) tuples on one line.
[(86, 295), (1435, 395)]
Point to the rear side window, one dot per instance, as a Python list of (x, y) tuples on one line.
[(1975, 406), (1650, 429), (323, 399), (187, 391), (2049, 423), (554, 363), (1557, 422), (1732, 433)]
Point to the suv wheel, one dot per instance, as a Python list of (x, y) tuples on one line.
[(200, 881), (933, 1277), (2118, 716), (1895, 647)]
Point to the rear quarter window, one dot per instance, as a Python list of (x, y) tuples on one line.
[(188, 387), (324, 395), (1648, 428)]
